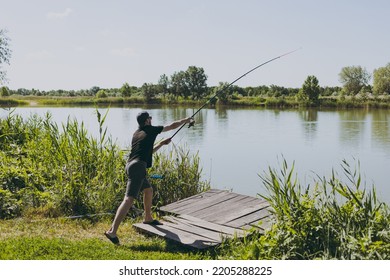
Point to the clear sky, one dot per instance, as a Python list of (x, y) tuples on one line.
[(78, 44)]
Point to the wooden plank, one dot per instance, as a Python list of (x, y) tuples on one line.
[(266, 223), (212, 226), (243, 212), (256, 224), (215, 207), (177, 235), (189, 200), (196, 204), (250, 218), (249, 207), (202, 203), (182, 225), (234, 209)]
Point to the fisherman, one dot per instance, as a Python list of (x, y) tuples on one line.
[(142, 148)]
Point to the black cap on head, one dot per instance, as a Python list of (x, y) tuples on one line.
[(142, 117)]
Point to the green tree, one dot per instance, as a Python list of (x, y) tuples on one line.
[(23, 91), (93, 91), (191, 82), (382, 80), (101, 94), (148, 91), (257, 91), (225, 93), (354, 78), (277, 91), (125, 90), (4, 91), (196, 81), (310, 91), (178, 85), (163, 84), (5, 53)]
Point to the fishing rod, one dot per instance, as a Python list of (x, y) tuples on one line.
[(229, 85)]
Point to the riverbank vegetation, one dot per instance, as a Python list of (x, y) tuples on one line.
[(60, 171), (60, 188), (190, 87), (330, 219), (365, 100)]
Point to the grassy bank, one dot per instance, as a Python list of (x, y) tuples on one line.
[(13, 102), (64, 239), (340, 102)]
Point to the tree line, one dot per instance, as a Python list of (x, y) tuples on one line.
[(192, 84)]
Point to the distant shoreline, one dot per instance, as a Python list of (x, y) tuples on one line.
[(258, 101)]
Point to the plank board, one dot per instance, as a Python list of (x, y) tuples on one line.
[(206, 219), (228, 210), (251, 219), (211, 226), (197, 202), (171, 233), (172, 208)]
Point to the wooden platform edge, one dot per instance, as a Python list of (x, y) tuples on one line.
[(171, 233)]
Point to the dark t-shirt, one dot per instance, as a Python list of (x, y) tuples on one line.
[(143, 142)]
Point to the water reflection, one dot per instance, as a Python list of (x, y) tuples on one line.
[(380, 129), (309, 122), (352, 125)]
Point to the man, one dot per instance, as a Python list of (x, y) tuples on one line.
[(142, 148)]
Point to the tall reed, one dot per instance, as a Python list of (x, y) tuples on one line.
[(181, 175), (62, 170), (331, 219)]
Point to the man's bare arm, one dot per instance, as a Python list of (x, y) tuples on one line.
[(160, 144), (177, 124)]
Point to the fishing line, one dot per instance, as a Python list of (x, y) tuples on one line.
[(229, 85)]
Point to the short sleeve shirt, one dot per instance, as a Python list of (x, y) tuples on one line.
[(143, 142)]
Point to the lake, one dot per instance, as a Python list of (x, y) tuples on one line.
[(235, 145)]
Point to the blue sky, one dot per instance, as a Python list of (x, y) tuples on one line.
[(77, 44)]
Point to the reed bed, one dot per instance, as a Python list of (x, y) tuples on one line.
[(59, 170), (330, 219)]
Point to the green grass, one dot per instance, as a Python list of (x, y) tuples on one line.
[(12, 102), (65, 239)]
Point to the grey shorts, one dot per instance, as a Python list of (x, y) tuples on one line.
[(137, 181)]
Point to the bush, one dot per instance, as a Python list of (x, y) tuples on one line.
[(101, 94), (9, 205)]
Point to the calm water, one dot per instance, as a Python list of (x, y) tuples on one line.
[(235, 145)]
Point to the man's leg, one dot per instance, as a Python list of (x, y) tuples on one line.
[(148, 197), (121, 213)]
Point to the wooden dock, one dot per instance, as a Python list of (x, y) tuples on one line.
[(206, 219)]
